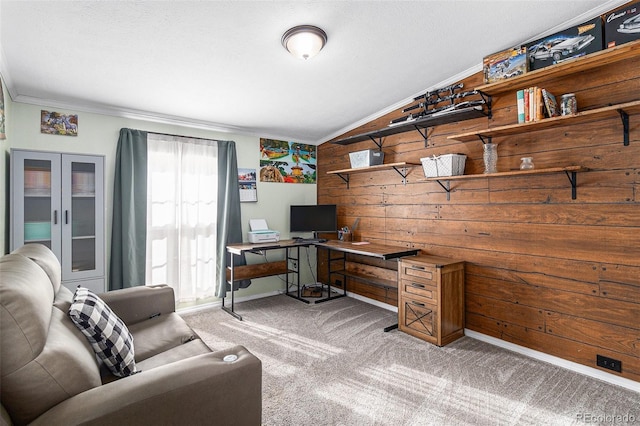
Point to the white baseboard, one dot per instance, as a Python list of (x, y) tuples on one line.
[(373, 302), (218, 302), (569, 365)]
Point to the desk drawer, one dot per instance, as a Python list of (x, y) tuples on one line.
[(419, 319), (422, 273), (411, 287)]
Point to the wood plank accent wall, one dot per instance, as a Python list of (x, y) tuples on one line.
[(543, 271)]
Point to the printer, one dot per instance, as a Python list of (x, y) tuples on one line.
[(260, 232)]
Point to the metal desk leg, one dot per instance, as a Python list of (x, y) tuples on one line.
[(224, 308), (329, 272), (297, 295)]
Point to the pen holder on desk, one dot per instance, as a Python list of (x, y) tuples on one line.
[(344, 235)]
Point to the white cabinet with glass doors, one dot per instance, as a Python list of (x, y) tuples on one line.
[(58, 200)]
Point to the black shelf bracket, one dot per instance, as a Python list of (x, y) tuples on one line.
[(379, 142), (344, 178), (487, 101), (485, 139), (573, 177), (625, 126), (446, 187), (425, 134), (404, 172)]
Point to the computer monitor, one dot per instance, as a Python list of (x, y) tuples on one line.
[(313, 218)]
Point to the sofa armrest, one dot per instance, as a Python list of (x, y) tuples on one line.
[(137, 304), (202, 389)]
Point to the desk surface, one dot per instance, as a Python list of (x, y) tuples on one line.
[(247, 247), (369, 249)]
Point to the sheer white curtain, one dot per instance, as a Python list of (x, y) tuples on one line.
[(182, 193)]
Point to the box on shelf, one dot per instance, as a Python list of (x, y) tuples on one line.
[(444, 165), (505, 64), (622, 25), (366, 158), (569, 43)]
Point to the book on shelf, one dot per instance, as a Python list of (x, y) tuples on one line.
[(534, 104), (520, 104), (550, 103), (539, 111)]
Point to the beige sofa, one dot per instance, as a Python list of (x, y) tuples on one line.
[(49, 373)]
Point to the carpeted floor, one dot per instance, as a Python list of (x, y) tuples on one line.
[(332, 364)]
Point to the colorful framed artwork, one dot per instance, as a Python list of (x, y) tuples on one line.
[(287, 162), (55, 123)]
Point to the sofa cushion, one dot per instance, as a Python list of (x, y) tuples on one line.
[(187, 350), (160, 333), (107, 334), (45, 259)]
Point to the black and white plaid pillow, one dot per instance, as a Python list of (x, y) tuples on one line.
[(107, 334)]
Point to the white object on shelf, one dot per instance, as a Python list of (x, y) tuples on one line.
[(366, 158), (444, 165)]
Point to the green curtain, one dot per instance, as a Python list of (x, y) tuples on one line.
[(229, 221), (129, 228)]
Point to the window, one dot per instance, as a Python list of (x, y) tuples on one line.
[(182, 194)]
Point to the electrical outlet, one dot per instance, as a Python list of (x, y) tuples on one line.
[(609, 363)]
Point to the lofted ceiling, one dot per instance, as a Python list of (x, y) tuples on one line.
[(220, 65)]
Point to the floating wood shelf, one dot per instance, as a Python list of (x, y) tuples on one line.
[(572, 66), (570, 171), (622, 110), (402, 168)]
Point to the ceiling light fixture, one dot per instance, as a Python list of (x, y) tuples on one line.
[(304, 41)]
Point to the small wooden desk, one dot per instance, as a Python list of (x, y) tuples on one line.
[(239, 273)]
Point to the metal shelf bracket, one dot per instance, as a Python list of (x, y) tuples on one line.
[(487, 100), (446, 187), (625, 126), (404, 172), (344, 178), (379, 142), (573, 177), (424, 135), (485, 139)]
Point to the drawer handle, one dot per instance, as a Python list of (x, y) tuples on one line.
[(413, 302), (416, 285), (417, 268)]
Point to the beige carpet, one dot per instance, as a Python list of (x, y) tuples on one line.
[(332, 364)]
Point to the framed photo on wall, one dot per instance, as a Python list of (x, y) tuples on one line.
[(55, 123)]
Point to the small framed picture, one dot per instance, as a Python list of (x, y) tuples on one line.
[(247, 183), (55, 123)]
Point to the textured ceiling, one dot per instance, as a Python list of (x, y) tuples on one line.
[(220, 64)]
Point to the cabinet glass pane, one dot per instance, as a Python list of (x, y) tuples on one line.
[(37, 201), (83, 209)]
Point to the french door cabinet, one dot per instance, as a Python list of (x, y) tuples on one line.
[(58, 200)]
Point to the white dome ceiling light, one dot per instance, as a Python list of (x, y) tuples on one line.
[(304, 41)]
